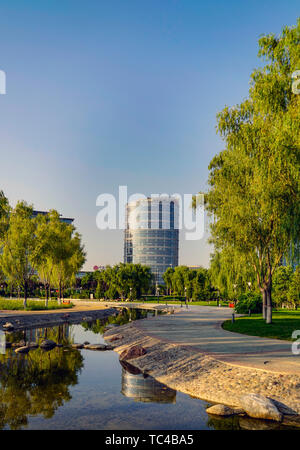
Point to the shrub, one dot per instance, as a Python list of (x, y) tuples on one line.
[(248, 301)]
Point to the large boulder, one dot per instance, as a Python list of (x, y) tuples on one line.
[(223, 410), (8, 326), (132, 352), (260, 407), (47, 344)]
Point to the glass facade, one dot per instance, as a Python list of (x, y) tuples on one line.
[(152, 235)]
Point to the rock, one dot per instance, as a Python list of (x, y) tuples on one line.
[(18, 344), (254, 424), (95, 347), (290, 420), (223, 410), (109, 347), (260, 407), (87, 318), (113, 338), (284, 409), (22, 349), (132, 352), (77, 345), (33, 345), (47, 344), (8, 326), (86, 343)]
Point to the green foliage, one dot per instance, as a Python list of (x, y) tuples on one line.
[(249, 301), (281, 283), (194, 284), (123, 280), (17, 247), (43, 245), (16, 305), (254, 183), (293, 294)]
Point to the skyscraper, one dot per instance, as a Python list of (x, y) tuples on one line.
[(152, 234)]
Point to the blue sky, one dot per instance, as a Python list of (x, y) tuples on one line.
[(121, 92)]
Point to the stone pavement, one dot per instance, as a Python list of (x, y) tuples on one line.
[(199, 327)]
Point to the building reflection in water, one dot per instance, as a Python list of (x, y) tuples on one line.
[(144, 388)]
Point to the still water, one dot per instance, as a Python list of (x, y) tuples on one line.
[(67, 388)]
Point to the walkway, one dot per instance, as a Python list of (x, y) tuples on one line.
[(200, 328)]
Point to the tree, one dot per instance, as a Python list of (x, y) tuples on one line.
[(254, 182), (43, 256), (17, 247), (167, 277), (281, 283), (293, 294), (4, 215)]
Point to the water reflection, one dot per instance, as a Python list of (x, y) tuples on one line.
[(36, 383), (124, 315), (143, 388)]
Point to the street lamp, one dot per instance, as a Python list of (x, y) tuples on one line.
[(249, 284), (130, 293), (157, 293), (234, 287), (185, 289)]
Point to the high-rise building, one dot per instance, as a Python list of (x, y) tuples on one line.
[(152, 234)]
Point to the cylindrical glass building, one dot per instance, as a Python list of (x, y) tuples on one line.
[(152, 234)]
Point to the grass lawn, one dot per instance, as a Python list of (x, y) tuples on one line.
[(32, 305), (178, 302), (284, 323)]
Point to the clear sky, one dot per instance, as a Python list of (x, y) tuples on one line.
[(121, 92)]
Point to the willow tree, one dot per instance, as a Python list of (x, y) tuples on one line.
[(69, 256), (254, 182), (18, 244)]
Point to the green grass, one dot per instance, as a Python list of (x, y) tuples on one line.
[(284, 323), (17, 305), (174, 302)]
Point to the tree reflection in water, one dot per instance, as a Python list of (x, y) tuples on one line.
[(37, 383), (124, 315)]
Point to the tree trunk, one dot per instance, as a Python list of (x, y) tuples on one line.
[(269, 306), (25, 295), (59, 293), (264, 304), (47, 294)]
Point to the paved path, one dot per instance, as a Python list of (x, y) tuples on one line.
[(200, 328)]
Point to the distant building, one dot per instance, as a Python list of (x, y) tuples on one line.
[(152, 234), (62, 219)]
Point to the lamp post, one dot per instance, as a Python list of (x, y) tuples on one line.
[(130, 289), (249, 285), (185, 289), (234, 287)]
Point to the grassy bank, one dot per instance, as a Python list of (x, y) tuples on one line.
[(177, 302), (284, 323), (32, 305)]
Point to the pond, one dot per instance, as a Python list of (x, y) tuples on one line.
[(67, 388)]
